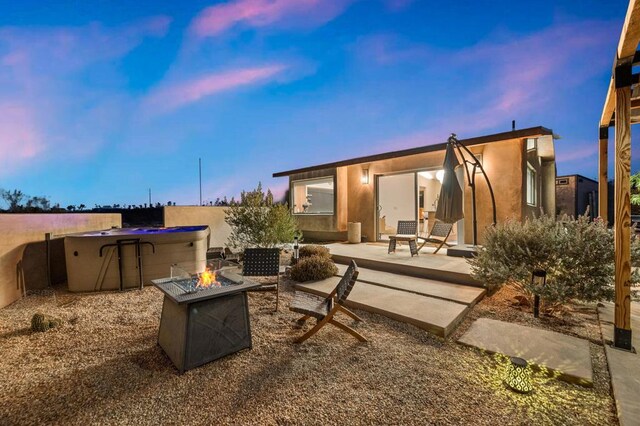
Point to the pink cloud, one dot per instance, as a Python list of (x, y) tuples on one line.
[(397, 5), (260, 13), (184, 93), (388, 49), (65, 49), (517, 77), (20, 140), (43, 93), (577, 151)]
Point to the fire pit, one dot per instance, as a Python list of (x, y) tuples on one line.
[(205, 316)]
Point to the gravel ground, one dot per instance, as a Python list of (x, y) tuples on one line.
[(103, 366)]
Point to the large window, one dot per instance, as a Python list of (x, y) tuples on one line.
[(531, 185), (313, 196)]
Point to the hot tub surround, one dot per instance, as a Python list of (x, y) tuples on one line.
[(124, 258)]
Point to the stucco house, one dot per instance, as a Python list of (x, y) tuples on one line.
[(378, 190), (576, 195)]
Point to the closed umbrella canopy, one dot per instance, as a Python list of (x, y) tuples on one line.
[(450, 202)]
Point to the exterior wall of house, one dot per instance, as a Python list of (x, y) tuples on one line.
[(574, 194), (325, 227), (362, 197), (549, 187), (505, 163), (21, 243)]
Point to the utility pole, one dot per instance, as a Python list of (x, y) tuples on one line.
[(200, 178), (149, 197)]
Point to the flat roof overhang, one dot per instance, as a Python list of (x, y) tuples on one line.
[(514, 134)]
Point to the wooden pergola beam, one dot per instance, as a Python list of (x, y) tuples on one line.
[(603, 179), (630, 36), (622, 226), (617, 111), (609, 106), (627, 46)]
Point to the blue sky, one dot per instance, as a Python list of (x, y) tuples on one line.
[(100, 101)]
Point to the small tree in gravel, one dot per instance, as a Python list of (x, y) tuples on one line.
[(577, 254), (256, 221)]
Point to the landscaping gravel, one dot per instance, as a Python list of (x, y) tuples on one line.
[(103, 366)]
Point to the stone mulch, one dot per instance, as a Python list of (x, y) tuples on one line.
[(103, 366)]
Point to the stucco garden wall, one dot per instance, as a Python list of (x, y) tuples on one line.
[(20, 230), (196, 215)]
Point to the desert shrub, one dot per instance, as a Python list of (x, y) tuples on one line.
[(41, 322), (577, 254), (313, 268), (256, 221), (314, 250)]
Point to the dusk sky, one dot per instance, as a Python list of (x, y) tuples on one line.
[(102, 100)]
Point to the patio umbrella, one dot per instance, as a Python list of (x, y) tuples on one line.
[(450, 202)]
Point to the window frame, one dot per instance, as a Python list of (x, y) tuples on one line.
[(534, 188), (534, 144), (292, 195)]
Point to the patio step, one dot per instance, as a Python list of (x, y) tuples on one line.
[(426, 265), (435, 315), (464, 294)]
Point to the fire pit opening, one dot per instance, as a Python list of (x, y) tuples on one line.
[(211, 277)]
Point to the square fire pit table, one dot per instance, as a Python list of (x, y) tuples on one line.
[(199, 325)]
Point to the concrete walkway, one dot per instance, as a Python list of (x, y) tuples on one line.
[(624, 367), (434, 306), (567, 356)]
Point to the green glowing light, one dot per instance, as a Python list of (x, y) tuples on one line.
[(518, 376)]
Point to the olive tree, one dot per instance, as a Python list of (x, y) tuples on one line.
[(256, 221)]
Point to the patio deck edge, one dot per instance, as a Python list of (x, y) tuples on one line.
[(410, 270)]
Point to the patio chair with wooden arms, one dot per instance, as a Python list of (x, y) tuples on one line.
[(407, 231), (323, 309), (438, 236), (263, 262)]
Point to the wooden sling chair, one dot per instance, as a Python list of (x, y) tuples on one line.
[(263, 262), (323, 309), (438, 236), (406, 231)]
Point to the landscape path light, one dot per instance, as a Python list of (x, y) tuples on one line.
[(518, 376)]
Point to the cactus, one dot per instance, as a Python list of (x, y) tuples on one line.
[(41, 322)]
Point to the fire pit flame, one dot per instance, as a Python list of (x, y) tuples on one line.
[(207, 279)]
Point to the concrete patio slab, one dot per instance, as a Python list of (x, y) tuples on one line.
[(624, 367), (441, 290), (437, 316), (426, 265), (566, 355)]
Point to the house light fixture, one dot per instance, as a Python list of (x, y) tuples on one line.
[(518, 376), (365, 176), (440, 175)]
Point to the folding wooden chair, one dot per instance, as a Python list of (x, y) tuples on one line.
[(407, 231), (323, 309), (263, 262), (438, 236)]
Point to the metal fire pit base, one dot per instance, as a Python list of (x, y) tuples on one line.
[(193, 334), (197, 333)]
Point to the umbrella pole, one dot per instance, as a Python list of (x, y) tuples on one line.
[(472, 178), (472, 184)]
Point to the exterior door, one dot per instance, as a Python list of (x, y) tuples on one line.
[(396, 197)]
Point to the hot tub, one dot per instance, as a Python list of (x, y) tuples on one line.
[(124, 258)]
